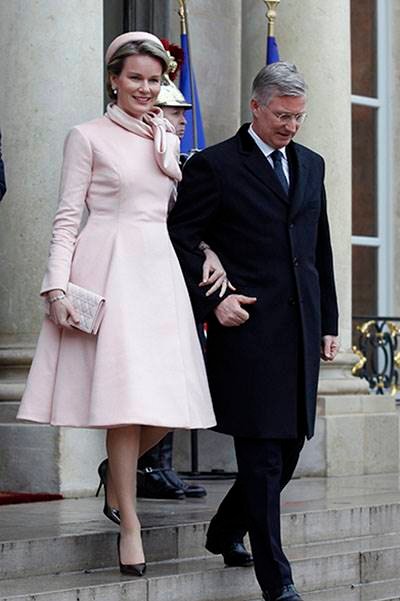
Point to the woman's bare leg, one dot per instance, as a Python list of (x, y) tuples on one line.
[(149, 437), (123, 449), (124, 446)]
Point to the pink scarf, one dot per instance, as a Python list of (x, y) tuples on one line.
[(155, 127)]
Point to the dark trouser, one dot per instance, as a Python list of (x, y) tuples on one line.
[(159, 456), (265, 466)]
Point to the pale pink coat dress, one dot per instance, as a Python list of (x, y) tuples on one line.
[(145, 365)]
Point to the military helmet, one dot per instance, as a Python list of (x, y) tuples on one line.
[(170, 95)]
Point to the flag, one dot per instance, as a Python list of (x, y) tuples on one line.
[(272, 50), (187, 83)]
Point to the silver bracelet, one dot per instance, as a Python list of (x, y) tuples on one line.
[(56, 298)]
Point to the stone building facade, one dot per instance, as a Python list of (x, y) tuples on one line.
[(52, 77)]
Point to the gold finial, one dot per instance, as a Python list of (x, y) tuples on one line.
[(182, 15), (272, 5)]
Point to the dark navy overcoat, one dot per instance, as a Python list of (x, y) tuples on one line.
[(263, 375)]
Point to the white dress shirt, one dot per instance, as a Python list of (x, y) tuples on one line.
[(267, 150)]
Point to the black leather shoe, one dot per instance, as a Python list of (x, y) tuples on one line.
[(286, 593), (110, 512), (234, 553), (130, 569), (153, 484), (190, 490)]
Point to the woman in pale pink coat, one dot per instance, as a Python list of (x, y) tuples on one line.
[(143, 373)]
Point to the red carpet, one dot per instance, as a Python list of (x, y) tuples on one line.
[(12, 498)]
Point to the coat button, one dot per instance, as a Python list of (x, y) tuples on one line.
[(292, 301), (295, 261)]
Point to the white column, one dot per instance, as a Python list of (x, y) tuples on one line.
[(51, 75), (215, 37), (315, 36)]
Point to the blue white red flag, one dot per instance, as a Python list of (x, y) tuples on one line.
[(192, 140), (272, 50)]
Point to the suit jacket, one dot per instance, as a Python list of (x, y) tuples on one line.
[(2, 175), (263, 375)]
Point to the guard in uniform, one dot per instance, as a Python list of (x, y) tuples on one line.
[(156, 478)]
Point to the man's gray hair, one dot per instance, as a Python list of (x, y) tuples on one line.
[(278, 79)]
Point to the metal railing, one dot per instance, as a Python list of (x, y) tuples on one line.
[(376, 344)]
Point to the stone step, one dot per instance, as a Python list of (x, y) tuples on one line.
[(376, 591), (300, 527), (346, 568), (39, 458), (28, 453), (379, 591), (66, 550), (15, 361), (337, 547), (33, 546), (388, 590), (342, 593), (317, 566), (94, 549), (197, 580), (11, 390), (8, 411)]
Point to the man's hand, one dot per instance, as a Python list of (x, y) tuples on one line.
[(230, 312), (329, 347)]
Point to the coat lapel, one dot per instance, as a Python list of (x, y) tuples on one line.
[(299, 174), (255, 161)]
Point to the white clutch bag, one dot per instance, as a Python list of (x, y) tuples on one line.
[(89, 305)]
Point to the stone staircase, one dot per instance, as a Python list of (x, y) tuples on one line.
[(35, 457), (356, 434), (65, 551), (342, 534)]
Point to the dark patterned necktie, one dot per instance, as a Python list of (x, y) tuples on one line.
[(276, 157)]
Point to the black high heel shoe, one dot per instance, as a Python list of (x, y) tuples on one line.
[(132, 569), (110, 512)]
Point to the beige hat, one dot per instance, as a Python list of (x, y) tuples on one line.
[(170, 95), (130, 36)]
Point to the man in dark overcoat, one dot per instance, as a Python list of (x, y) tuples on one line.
[(259, 200), (2, 175)]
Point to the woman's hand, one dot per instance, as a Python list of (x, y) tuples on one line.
[(62, 311), (214, 274)]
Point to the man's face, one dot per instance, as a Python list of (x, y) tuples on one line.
[(176, 116), (276, 131)]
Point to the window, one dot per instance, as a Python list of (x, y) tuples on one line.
[(371, 257)]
